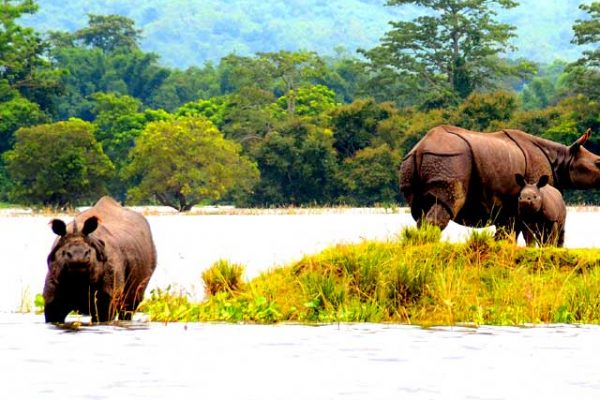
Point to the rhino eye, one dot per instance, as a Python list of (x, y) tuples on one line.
[(597, 163)]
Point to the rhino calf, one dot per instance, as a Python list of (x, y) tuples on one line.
[(99, 264), (541, 212)]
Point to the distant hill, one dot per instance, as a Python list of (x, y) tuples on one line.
[(186, 33)]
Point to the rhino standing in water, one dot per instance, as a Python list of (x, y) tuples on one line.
[(100, 264), (541, 212), (469, 177)]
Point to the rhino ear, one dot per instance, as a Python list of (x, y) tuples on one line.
[(58, 227), (520, 180), (543, 181), (90, 225), (581, 141)]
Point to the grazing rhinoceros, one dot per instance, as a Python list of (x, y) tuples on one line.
[(100, 264), (541, 212), (469, 177)]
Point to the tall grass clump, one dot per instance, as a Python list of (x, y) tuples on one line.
[(223, 276), (416, 279), (417, 236)]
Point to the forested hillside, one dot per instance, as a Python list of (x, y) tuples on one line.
[(186, 33), (88, 109)]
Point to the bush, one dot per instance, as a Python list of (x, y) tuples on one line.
[(223, 276), (58, 164)]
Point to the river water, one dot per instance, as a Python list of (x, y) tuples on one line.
[(362, 361), (350, 361)]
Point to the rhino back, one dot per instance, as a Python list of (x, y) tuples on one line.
[(554, 207), (127, 236)]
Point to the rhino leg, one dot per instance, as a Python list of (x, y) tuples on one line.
[(102, 309), (529, 234), (561, 237), (557, 235), (56, 312)]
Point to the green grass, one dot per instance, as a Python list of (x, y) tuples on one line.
[(416, 279)]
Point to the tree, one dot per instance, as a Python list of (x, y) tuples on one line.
[(404, 129), (588, 32), (248, 116), (298, 165), (355, 125), (212, 109), (109, 33), (312, 102), (58, 164), (182, 87), (345, 74), (370, 178), (293, 69), (486, 111), (584, 75), (449, 52), (140, 72), (237, 72), (187, 161), (15, 113), (24, 71), (103, 57), (119, 120)]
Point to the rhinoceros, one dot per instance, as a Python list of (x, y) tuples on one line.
[(99, 264), (469, 177), (541, 212)]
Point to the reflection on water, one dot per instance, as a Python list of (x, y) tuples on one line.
[(362, 361)]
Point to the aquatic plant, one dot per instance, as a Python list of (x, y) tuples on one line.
[(223, 276), (416, 279)]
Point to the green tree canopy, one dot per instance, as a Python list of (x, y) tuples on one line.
[(584, 77), (297, 165), (58, 164), (103, 57), (109, 33), (248, 116), (588, 32), (119, 121), (187, 161), (451, 51), (182, 87), (23, 68), (15, 113), (292, 69), (370, 177), (355, 125), (312, 102), (486, 111)]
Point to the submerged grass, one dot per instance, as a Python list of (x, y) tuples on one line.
[(416, 279)]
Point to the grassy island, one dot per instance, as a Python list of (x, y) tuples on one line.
[(416, 279)]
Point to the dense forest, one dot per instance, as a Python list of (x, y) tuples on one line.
[(88, 110), (186, 33)]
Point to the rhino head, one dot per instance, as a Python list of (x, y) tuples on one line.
[(76, 252), (583, 165), (530, 197)]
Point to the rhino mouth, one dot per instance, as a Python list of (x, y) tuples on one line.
[(78, 267)]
